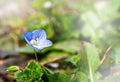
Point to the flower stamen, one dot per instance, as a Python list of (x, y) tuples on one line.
[(34, 42)]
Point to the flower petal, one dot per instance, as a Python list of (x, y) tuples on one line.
[(43, 44), (39, 34), (28, 37)]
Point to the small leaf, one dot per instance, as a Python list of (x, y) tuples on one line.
[(13, 68), (31, 73), (74, 59)]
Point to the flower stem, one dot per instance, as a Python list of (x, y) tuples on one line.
[(35, 55)]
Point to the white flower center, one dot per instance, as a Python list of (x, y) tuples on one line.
[(34, 42)]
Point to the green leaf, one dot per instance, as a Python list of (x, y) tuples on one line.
[(92, 55), (59, 78), (74, 59), (31, 73), (88, 63), (71, 46), (13, 68), (92, 59), (54, 55)]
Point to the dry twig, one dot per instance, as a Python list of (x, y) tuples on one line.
[(105, 55)]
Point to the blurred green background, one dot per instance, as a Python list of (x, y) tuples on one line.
[(66, 22)]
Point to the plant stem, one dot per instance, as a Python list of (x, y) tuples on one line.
[(35, 55)]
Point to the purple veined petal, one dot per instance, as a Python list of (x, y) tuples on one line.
[(28, 37), (39, 34), (43, 44)]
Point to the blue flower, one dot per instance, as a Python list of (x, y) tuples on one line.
[(37, 39)]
